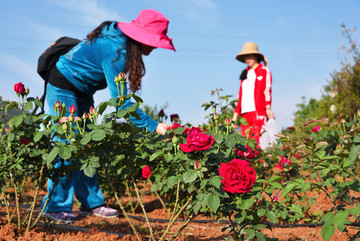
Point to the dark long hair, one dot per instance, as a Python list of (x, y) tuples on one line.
[(134, 67)]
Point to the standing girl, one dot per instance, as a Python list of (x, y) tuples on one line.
[(255, 92)]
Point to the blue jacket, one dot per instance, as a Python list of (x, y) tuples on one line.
[(91, 67)]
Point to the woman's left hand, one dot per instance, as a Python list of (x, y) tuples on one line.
[(162, 128), (270, 114)]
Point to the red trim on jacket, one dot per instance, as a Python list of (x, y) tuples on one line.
[(262, 90)]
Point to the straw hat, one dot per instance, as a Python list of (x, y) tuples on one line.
[(250, 48), (149, 28)]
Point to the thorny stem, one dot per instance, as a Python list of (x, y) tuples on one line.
[(182, 228), (35, 197), (43, 208), (123, 209), (161, 200), (130, 198), (174, 219), (233, 228), (6, 205), (17, 202), (142, 206)]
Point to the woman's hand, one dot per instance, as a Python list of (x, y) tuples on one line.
[(270, 114), (162, 128)]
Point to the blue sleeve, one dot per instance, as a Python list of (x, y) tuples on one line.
[(112, 69)]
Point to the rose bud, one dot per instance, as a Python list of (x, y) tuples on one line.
[(92, 111), (174, 140), (72, 109), (227, 121), (57, 105), (197, 165), (85, 116)]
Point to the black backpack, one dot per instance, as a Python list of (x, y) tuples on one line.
[(48, 59)]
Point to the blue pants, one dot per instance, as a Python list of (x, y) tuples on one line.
[(86, 189)]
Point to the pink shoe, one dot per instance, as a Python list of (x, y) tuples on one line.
[(64, 217), (101, 211)]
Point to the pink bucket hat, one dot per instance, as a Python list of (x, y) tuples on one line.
[(149, 28)]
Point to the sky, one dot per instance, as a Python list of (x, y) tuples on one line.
[(301, 39)]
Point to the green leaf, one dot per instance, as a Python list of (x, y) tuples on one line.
[(327, 231), (261, 212), (214, 202), (339, 220), (288, 188), (354, 152), (86, 139), (90, 171), (271, 216), (246, 203), (102, 107), (121, 113), (355, 211), (53, 153), (190, 176), (172, 181), (219, 138), (64, 152), (260, 236), (16, 120), (328, 218), (37, 136), (215, 181), (156, 155), (133, 108), (250, 233), (98, 135)]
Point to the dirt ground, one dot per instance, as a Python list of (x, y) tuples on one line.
[(96, 228)]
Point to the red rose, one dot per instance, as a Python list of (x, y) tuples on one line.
[(283, 162), (146, 172), (192, 129), (175, 126), (249, 154), (316, 129), (238, 176), (197, 141), (24, 141), (161, 113), (174, 117), (19, 88)]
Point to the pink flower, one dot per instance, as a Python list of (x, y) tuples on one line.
[(276, 199), (283, 163), (296, 155), (63, 119), (238, 176), (19, 88), (249, 154), (197, 141), (72, 109), (146, 172), (316, 129)]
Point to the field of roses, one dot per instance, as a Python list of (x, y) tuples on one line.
[(210, 170)]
